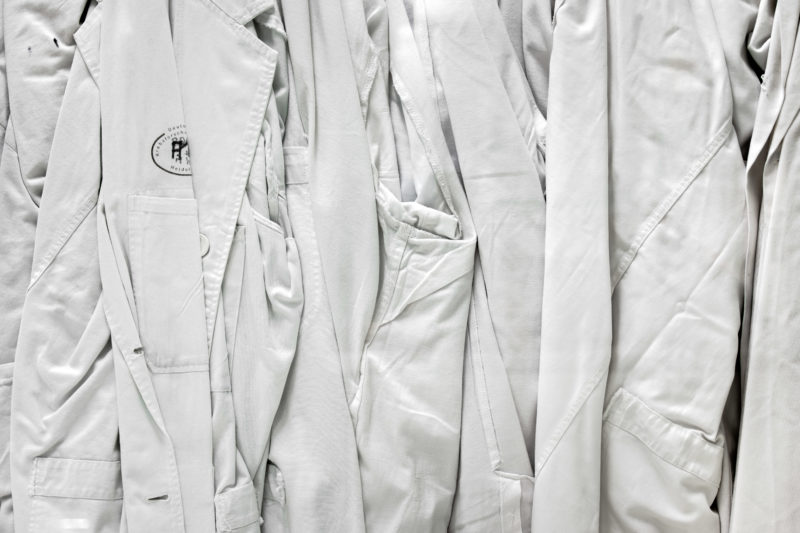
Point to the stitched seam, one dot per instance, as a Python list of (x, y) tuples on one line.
[(385, 296), (252, 10), (404, 232), (35, 474), (90, 498), (669, 202), (250, 39), (19, 173), (632, 409), (72, 226), (494, 448), (176, 502), (567, 420), (246, 153), (10, 147), (16, 156), (266, 223), (370, 72), (89, 58), (419, 126), (175, 369), (512, 476), (120, 324), (657, 454)]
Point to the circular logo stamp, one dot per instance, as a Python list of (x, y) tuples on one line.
[(170, 151)]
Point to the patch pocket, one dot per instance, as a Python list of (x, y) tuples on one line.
[(656, 471), (168, 281), (75, 495)]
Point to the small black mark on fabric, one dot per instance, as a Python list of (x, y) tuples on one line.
[(163, 497), (29, 50), (55, 41)]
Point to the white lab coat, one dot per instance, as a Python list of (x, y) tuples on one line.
[(674, 226), (151, 432), (766, 481), (34, 75)]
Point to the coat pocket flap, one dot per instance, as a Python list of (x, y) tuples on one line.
[(683, 447), (76, 478)]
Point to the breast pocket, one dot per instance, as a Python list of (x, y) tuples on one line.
[(168, 281)]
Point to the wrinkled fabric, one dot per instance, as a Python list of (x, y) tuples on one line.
[(34, 73), (501, 163), (678, 248), (76, 474), (314, 482), (766, 481), (159, 345), (576, 294), (674, 195), (407, 407), (398, 265), (35, 70)]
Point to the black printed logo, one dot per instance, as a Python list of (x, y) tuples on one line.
[(170, 151)]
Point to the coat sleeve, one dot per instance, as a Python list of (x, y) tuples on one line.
[(65, 468)]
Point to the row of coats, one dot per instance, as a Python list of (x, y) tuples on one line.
[(398, 265)]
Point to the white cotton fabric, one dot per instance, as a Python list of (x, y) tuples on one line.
[(519, 266)]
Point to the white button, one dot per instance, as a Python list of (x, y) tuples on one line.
[(204, 245)]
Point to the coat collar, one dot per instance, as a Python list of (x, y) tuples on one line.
[(225, 75), (243, 11)]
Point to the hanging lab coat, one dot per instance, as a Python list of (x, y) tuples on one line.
[(36, 65), (498, 151), (65, 468), (258, 315), (7, 368), (678, 242), (162, 265), (34, 74), (766, 481), (576, 300), (314, 482), (407, 405), (677, 236)]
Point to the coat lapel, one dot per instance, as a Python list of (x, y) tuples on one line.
[(226, 76), (341, 179)]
